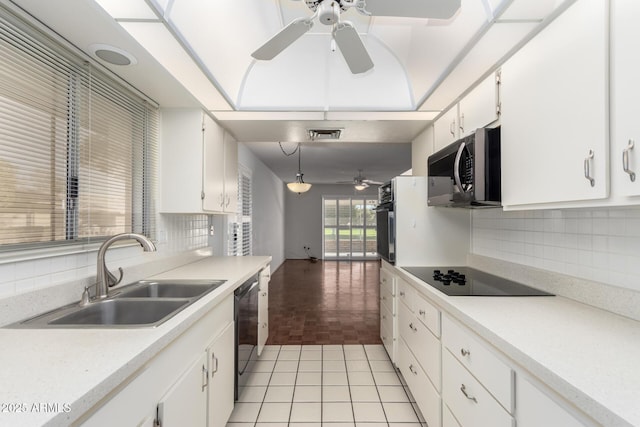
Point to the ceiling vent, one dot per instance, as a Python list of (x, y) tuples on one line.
[(324, 134)]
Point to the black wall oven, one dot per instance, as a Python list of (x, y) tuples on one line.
[(385, 223)]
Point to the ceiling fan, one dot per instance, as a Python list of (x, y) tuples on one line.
[(344, 34), (360, 182)]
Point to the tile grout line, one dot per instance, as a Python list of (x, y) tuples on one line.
[(376, 384)]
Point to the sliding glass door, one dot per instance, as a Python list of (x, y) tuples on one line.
[(349, 226)]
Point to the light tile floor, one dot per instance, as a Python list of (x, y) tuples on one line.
[(332, 385)]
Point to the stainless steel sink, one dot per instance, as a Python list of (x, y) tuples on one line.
[(141, 304), (168, 289), (123, 312)]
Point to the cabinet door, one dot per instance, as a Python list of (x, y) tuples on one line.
[(446, 129), (535, 408), (554, 111), (625, 126), (479, 107), (230, 174), (185, 404), (221, 382), (263, 311), (213, 166)]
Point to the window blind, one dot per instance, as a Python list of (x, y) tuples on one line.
[(77, 150), (240, 230)]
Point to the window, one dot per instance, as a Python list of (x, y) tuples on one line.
[(77, 150), (349, 228), (240, 242)]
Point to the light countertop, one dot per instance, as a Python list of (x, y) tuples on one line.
[(588, 355), (53, 376)]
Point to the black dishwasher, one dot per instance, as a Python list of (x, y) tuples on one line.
[(246, 324)]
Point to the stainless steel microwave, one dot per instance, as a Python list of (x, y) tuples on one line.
[(466, 174)]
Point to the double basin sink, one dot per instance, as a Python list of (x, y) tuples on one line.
[(146, 303)]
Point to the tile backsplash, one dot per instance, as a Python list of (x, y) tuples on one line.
[(601, 245), (176, 234)]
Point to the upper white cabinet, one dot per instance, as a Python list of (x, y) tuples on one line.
[(199, 164), (477, 109), (625, 91), (554, 96), (446, 128)]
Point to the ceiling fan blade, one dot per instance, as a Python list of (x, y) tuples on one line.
[(276, 44), (368, 181), (434, 9), (352, 48)]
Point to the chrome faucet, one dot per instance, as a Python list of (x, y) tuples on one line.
[(104, 277)]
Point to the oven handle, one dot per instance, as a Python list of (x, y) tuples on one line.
[(456, 167)]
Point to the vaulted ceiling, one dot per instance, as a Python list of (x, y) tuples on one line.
[(198, 53)]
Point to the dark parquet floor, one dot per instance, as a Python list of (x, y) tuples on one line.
[(326, 302)]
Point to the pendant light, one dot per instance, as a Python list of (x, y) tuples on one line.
[(299, 186)]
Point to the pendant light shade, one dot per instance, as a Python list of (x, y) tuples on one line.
[(299, 186)]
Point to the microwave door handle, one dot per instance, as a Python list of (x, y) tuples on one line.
[(456, 167)]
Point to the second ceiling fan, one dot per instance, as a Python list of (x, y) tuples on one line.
[(344, 34)]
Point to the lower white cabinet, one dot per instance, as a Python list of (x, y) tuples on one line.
[(221, 370), (388, 307), (186, 401), (189, 383), (536, 408), (263, 309), (468, 400)]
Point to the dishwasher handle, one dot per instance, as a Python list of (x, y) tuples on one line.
[(245, 288)]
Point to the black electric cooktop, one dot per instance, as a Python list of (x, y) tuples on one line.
[(465, 281)]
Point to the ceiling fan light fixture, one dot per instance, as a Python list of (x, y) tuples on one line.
[(361, 186)]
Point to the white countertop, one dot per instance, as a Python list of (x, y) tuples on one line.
[(588, 355), (76, 368)]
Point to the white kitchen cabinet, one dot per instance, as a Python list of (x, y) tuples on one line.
[(199, 164), (221, 368), (388, 307), (263, 309), (479, 107), (536, 408), (554, 97), (179, 372), (186, 401), (625, 92), (446, 128)]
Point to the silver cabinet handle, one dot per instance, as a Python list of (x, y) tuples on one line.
[(625, 160), (413, 328), (461, 123), (465, 352), (463, 389), (422, 312), (587, 168), (205, 378), (452, 127), (401, 293), (214, 362), (413, 370)]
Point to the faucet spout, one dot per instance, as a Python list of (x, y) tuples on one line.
[(103, 274)]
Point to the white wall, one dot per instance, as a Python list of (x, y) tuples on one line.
[(421, 148), (303, 217), (268, 208)]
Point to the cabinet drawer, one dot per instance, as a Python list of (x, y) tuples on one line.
[(405, 293), (386, 318), (427, 397), (387, 340), (492, 372), (427, 313), (448, 420), (387, 280), (387, 299), (469, 401), (422, 343)]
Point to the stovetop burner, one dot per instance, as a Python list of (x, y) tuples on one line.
[(465, 281)]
